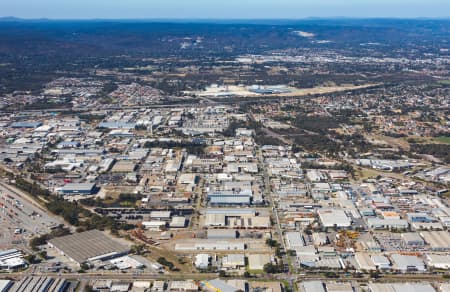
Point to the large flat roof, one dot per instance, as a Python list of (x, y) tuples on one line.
[(87, 245), (78, 187)]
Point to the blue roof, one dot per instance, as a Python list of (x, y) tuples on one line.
[(26, 125)]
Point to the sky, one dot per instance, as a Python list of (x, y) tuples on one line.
[(222, 9)]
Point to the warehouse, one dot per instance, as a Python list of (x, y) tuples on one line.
[(178, 222), (40, 284), (244, 212), (364, 261), (25, 125), (400, 287), (339, 287), (11, 259), (183, 286), (438, 240), (294, 240), (78, 189), (412, 239), (258, 222), (202, 261), (438, 261), (210, 246), (313, 286), (123, 166), (229, 198), (381, 262), (221, 233), (217, 220), (405, 263), (154, 225), (233, 261), (88, 246), (5, 285), (217, 285), (319, 238), (257, 261), (160, 215), (334, 217), (378, 223)]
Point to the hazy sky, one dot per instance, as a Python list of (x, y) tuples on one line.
[(223, 8)]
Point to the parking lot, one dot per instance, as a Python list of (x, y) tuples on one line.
[(21, 219)]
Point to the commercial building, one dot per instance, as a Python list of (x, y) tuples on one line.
[(78, 189), (294, 240), (233, 261), (206, 245), (378, 223), (11, 259), (202, 261), (313, 286), (219, 285), (407, 263), (40, 284), (229, 198), (364, 261), (5, 285), (183, 286), (257, 261), (438, 261), (334, 217), (400, 287), (88, 246), (381, 262), (178, 222), (219, 234), (438, 240), (412, 239), (339, 287)]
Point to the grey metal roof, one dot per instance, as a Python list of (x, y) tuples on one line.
[(86, 245)]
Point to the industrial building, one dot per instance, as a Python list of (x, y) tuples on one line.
[(219, 285), (400, 287), (202, 261), (39, 284), (438, 261), (183, 286), (381, 262), (438, 240), (229, 198), (334, 217), (206, 245), (257, 261), (11, 259), (339, 287), (313, 286), (407, 263), (233, 261), (5, 285), (88, 246), (378, 223), (178, 222), (412, 239), (294, 240), (364, 261), (78, 189), (221, 234)]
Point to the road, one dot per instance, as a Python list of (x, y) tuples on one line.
[(268, 197), (207, 276)]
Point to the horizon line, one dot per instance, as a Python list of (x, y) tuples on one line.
[(15, 18)]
